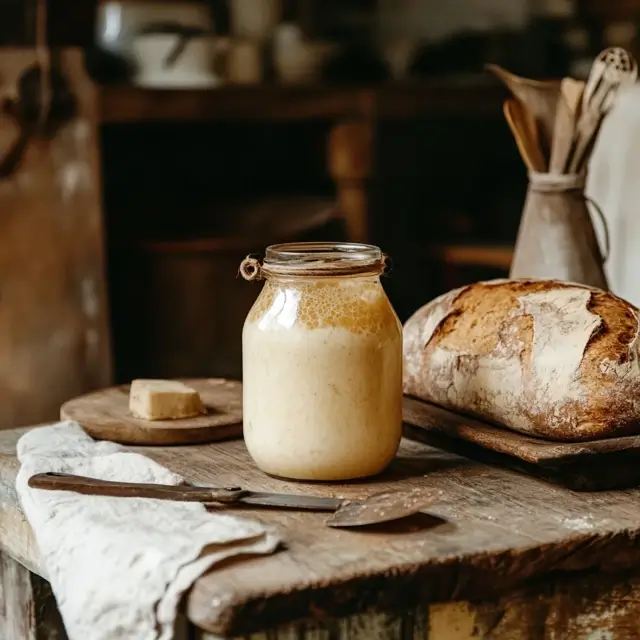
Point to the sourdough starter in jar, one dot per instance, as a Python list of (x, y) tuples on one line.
[(322, 367)]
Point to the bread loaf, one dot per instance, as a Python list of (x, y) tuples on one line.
[(550, 359)]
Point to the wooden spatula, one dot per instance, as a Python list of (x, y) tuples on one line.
[(572, 91), (567, 112), (524, 129)]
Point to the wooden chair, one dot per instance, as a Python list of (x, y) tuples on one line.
[(350, 160)]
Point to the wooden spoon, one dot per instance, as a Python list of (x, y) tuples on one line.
[(521, 123)]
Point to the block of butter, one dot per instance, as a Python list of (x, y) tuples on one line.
[(164, 400)]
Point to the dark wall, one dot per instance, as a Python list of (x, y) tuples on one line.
[(70, 22)]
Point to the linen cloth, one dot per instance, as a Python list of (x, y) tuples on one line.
[(613, 181), (119, 566)]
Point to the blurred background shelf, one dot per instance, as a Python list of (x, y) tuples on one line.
[(473, 98), (485, 261)]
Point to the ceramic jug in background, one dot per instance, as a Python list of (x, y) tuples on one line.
[(556, 238)]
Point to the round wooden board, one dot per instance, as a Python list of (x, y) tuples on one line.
[(105, 415)]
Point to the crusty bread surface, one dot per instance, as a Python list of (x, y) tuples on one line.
[(550, 359)]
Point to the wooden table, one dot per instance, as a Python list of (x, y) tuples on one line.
[(503, 556)]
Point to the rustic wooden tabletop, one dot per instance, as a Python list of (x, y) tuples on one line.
[(494, 531)]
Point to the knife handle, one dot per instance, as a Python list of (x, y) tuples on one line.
[(94, 487)]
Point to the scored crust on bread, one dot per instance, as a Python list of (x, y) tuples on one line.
[(550, 359)]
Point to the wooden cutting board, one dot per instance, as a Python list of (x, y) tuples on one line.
[(584, 466), (105, 415)]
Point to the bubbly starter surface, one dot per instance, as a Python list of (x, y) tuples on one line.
[(322, 365)]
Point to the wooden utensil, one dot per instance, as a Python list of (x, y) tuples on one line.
[(567, 112), (105, 415), (532, 133), (572, 91), (613, 69), (613, 66), (588, 126), (562, 137), (540, 97), (376, 509), (523, 128)]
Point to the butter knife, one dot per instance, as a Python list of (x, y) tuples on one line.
[(380, 507)]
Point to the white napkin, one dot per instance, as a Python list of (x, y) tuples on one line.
[(119, 566)]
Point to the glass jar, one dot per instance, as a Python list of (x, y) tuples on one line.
[(322, 363)]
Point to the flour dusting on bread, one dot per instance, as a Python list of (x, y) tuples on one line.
[(562, 328), (547, 358)]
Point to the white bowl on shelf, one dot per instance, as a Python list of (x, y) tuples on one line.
[(193, 68), (118, 22)]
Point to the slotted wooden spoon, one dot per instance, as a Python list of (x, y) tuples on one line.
[(614, 69), (613, 66)]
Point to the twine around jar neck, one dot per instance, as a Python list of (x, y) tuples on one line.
[(252, 269), (568, 183), (315, 260)]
